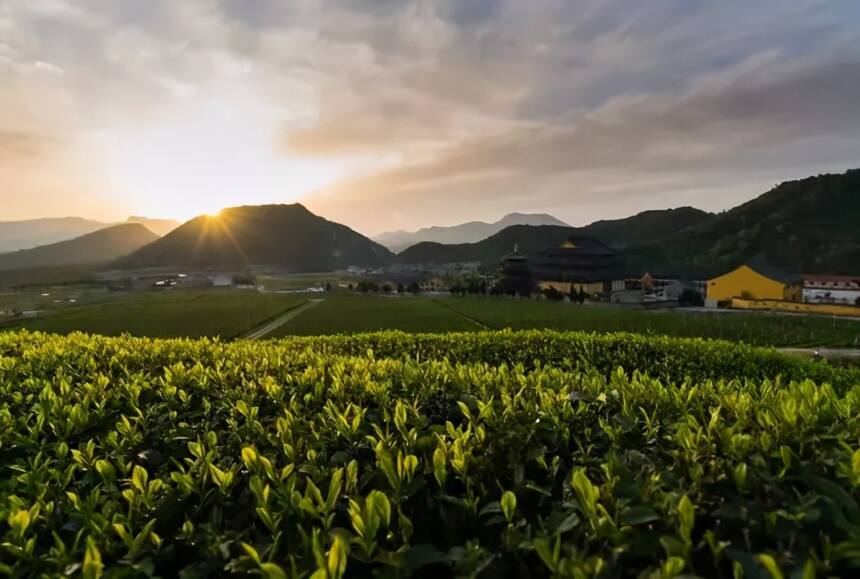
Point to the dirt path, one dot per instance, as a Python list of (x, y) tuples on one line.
[(273, 325), (475, 321)]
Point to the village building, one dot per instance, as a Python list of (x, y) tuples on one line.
[(754, 282), (831, 289), (434, 284)]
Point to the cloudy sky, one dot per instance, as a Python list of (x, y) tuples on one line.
[(390, 114)]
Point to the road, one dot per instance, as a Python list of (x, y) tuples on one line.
[(273, 325)]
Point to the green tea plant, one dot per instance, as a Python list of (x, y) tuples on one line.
[(516, 455)]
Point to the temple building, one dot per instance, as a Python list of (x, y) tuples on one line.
[(580, 262)]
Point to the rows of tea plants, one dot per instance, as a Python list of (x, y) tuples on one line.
[(501, 455)]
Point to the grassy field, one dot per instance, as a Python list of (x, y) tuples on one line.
[(224, 313), (297, 281), (752, 328), (348, 313)]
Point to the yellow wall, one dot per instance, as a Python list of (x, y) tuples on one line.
[(800, 307), (563, 287), (591, 288), (745, 280)]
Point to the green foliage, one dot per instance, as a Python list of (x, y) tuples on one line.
[(528, 454)]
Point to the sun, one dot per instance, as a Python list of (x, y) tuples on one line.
[(205, 157)]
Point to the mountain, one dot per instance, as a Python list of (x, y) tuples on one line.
[(26, 234), (160, 227), (646, 226), (288, 236), (617, 233), (470, 232), (100, 246), (529, 239), (15, 235), (810, 225)]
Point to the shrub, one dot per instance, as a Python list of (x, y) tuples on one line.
[(529, 454), (690, 297), (553, 294)]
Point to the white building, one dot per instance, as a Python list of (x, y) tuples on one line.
[(831, 289)]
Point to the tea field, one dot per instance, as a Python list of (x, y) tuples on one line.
[(223, 313), (510, 454), (759, 328), (349, 313), (228, 314)]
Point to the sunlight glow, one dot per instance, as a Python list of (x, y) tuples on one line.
[(207, 156)]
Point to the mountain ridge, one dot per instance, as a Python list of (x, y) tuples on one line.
[(468, 232), (287, 236), (100, 246), (31, 233), (808, 225), (617, 233)]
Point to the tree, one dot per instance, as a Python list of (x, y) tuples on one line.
[(328, 286), (367, 287), (386, 288), (690, 297), (553, 294), (582, 295), (400, 288), (414, 288)]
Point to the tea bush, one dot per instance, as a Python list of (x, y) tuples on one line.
[(516, 454)]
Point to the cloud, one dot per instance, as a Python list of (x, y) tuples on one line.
[(19, 147), (442, 110), (765, 118)]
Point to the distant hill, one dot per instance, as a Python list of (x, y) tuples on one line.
[(811, 225), (15, 235), (99, 246), (470, 232), (288, 236), (617, 233), (29, 233), (646, 226), (160, 227), (529, 239)]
